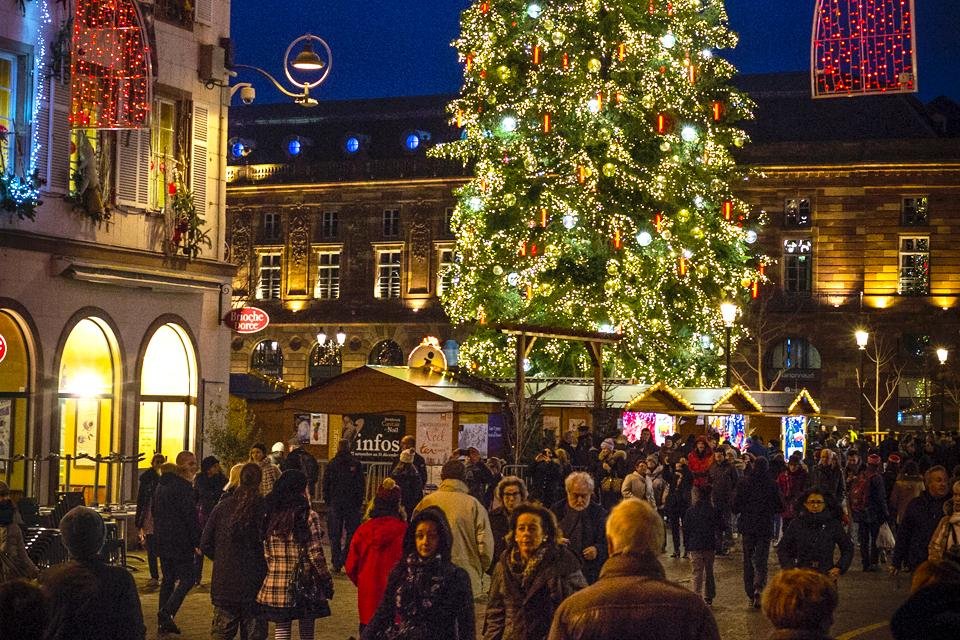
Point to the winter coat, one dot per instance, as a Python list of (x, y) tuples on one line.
[(411, 489), (659, 485), (547, 481), (237, 553), (876, 500), (904, 491), (612, 468), (946, 536), (477, 477), (175, 524), (91, 600), (930, 613), (584, 529), (632, 599), (916, 529), (724, 478), (375, 549), (148, 484), (282, 554), (302, 460), (827, 479), (810, 540), (699, 465), (11, 543), (637, 485), (757, 500), (343, 483), (469, 525), (271, 473), (791, 485), (500, 525), (207, 491), (522, 608), (679, 493), (700, 525)]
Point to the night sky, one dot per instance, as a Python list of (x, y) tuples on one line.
[(394, 48)]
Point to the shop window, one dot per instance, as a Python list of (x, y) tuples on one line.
[(12, 98), (387, 353), (914, 258), (796, 212), (328, 276), (329, 224), (168, 394), (388, 274), (267, 359), (89, 370), (268, 283), (913, 211), (15, 393), (445, 267), (391, 223), (325, 362), (913, 401), (793, 361), (797, 265)]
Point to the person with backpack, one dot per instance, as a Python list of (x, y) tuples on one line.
[(868, 507)]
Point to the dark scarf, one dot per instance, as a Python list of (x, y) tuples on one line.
[(424, 582), (525, 570)]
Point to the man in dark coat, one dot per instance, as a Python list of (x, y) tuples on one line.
[(178, 537), (343, 492), (302, 460), (868, 505), (144, 519), (723, 479), (410, 442), (758, 501), (582, 522), (632, 598), (478, 476), (920, 521), (89, 599)]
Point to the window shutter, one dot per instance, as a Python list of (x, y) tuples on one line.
[(203, 11), (57, 152), (199, 159), (41, 123), (133, 168)]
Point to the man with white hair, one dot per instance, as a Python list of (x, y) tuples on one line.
[(633, 599), (581, 520)]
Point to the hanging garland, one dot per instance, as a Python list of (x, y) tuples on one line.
[(20, 195)]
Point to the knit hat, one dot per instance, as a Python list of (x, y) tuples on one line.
[(893, 458), (873, 459), (388, 494), (277, 447), (608, 444), (208, 462), (83, 533), (453, 470), (406, 456)]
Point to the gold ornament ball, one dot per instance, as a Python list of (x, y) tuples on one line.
[(547, 24), (593, 65), (745, 282), (683, 215), (697, 233), (509, 199), (613, 268), (530, 164), (647, 101), (665, 146), (558, 37), (703, 270), (497, 270), (609, 169), (504, 73), (587, 171), (666, 234), (491, 99)]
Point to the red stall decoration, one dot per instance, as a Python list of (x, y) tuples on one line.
[(863, 47), (111, 83)]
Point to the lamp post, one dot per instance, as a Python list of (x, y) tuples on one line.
[(306, 60), (728, 311), (862, 337), (942, 354)]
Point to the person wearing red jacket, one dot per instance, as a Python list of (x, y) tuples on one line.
[(792, 482), (699, 462), (375, 549)]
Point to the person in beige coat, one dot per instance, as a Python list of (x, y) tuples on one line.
[(947, 535), (637, 484), (469, 523)]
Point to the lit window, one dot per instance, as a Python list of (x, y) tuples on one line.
[(164, 152), (796, 212), (329, 224), (268, 284), (328, 276), (294, 147), (267, 359), (412, 142), (391, 223), (914, 258), (445, 271), (797, 265), (352, 145), (913, 211), (9, 100), (388, 275)]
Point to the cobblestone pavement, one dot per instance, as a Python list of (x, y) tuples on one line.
[(867, 600)]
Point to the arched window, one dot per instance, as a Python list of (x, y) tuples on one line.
[(89, 371), (325, 362), (16, 365), (387, 353), (267, 359), (168, 394), (793, 362)]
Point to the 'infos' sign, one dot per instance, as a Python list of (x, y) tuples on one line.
[(247, 319)]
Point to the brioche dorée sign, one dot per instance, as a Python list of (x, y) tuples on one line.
[(3, 348), (247, 319)]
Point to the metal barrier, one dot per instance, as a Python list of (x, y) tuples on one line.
[(522, 471), (374, 473)]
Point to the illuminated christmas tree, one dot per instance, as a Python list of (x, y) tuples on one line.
[(600, 135)]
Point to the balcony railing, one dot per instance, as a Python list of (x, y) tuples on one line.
[(347, 171)]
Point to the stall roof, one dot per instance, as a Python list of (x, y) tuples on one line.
[(439, 383)]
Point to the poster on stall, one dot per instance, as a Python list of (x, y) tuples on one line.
[(301, 427), (375, 438), (435, 431), (731, 428), (473, 434), (318, 428), (661, 425), (496, 444), (6, 406), (794, 434)]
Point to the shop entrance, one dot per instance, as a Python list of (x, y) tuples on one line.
[(15, 374)]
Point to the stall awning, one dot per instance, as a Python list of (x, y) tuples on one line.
[(659, 398)]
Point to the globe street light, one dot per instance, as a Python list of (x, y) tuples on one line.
[(942, 354), (728, 311), (306, 60), (861, 337)]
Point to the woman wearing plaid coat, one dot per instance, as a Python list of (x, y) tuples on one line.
[(292, 526)]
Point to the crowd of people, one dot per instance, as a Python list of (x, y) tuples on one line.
[(574, 554)]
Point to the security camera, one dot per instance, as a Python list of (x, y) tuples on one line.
[(248, 94)]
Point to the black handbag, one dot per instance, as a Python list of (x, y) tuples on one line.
[(307, 589)]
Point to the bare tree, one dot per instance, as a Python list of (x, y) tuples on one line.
[(524, 435), (883, 356), (762, 324)]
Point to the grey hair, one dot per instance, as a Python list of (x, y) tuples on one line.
[(634, 527), (511, 481), (579, 477)]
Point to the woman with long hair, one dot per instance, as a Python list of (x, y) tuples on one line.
[(232, 539), (427, 596), (532, 577), (15, 563), (375, 549), (293, 536), (813, 535)]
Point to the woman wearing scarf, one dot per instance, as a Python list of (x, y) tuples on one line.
[(531, 579), (293, 531), (811, 538), (427, 596), (699, 462), (946, 538)]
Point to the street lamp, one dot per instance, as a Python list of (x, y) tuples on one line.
[(861, 337), (306, 60), (340, 335), (942, 354), (728, 311)]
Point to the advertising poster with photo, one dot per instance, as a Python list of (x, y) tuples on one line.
[(301, 427), (661, 425), (6, 428), (319, 423), (473, 434), (435, 431), (375, 438), (794, 434), (731, 428)]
